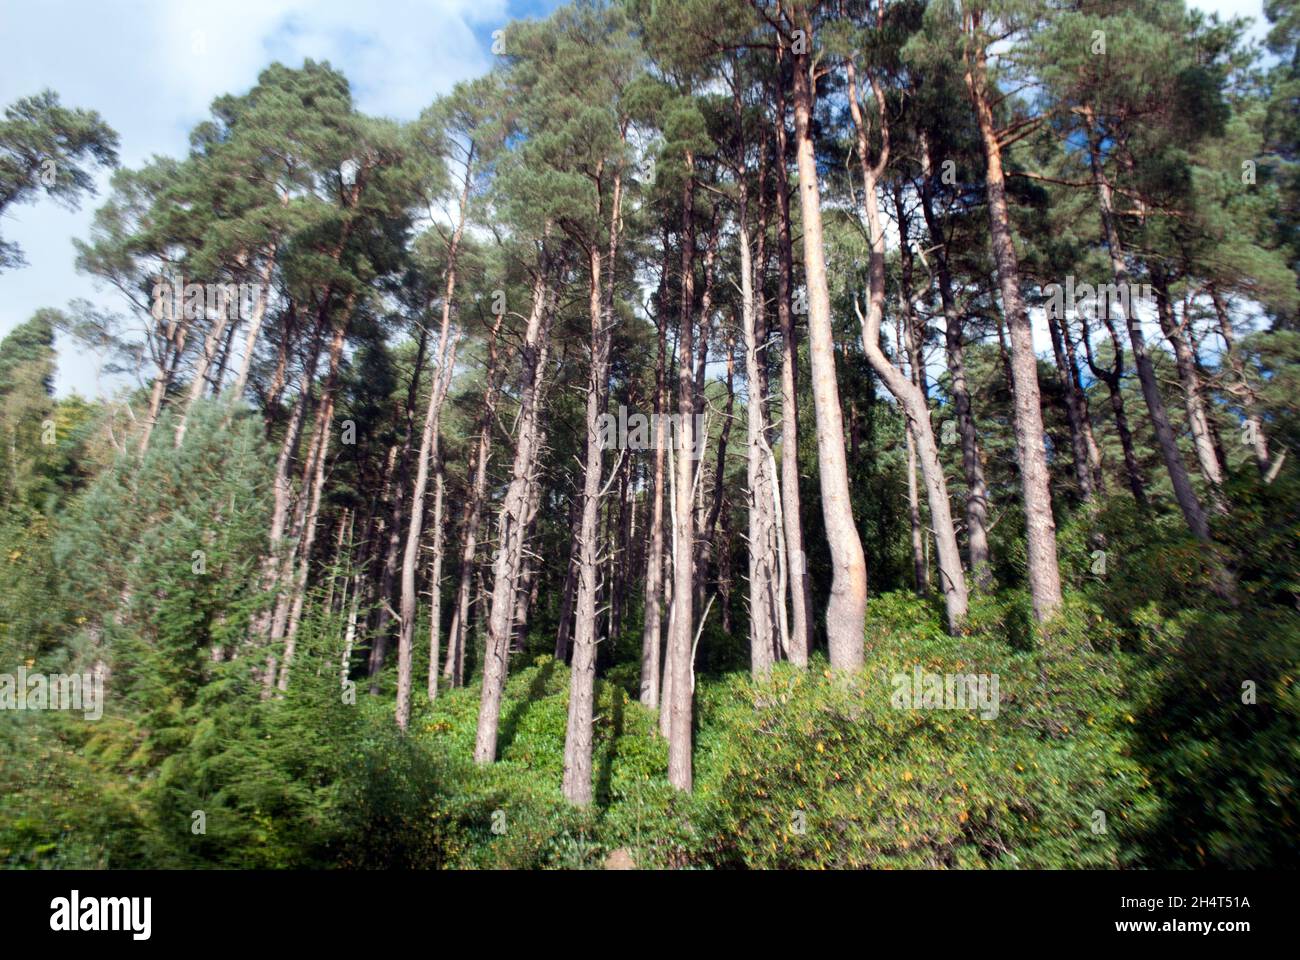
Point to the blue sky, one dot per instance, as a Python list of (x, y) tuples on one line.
[(151, 67)]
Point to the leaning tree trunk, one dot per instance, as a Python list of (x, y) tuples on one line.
[(210, 345), (909, 394), (979, 558), (428, 440), (909, 346), (920, 569), (1076, 411), (167, 357), (512, 523), (1244, 390), (256, 320), (1112, 378), (1193, 401), (1188, 502), (1040, 526), (846, 611)]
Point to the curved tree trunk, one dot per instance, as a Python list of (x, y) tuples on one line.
[(1188, 502), (1244, 390), (1193, 401)]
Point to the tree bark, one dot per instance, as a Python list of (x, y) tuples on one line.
[(1244, 389), (765, 602), (256, 320), (1040, 526), (979, 559), (428, 441), (1076, 410), (1193, 401), (210, 345), (454, 668), (651, 635), (1188, 502), (582, 674), (435, 576), (846, 611), (512, 522), (909, 395), (801, 627), (679, 693)]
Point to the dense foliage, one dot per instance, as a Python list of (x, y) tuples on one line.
[(329, 526)]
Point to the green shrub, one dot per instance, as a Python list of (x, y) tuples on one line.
[(813, 769)]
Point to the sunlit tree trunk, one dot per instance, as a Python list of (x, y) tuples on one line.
[(1040, 526), (846, 611)]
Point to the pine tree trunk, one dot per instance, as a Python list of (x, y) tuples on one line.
[(651, 636), (764, 600), (168, 353), (582, 674), (319, 440), (1249, 399), (276, 560), (446, 362), (1197, 421), (395, 496), (304, 555), (1089, 436), (909, 395), (210, 344), (846, 611), (512, 522), (1040, 526), (1076, 411), (564, 632), (255, 322), (1188, 502), (435, 576), (801, 626), (679, 694), (415, 531), (1112, 378), (454, 668), (979, 559)]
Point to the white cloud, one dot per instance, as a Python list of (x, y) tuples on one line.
[(152, 67)]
